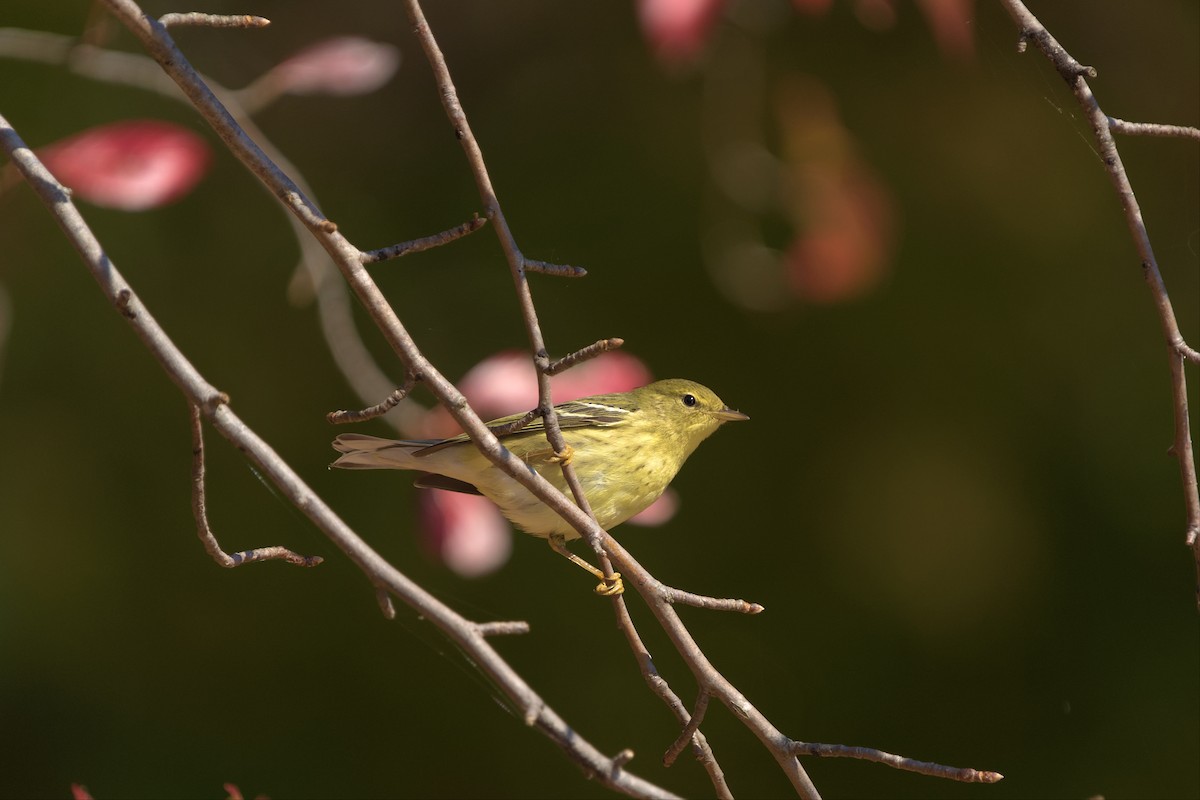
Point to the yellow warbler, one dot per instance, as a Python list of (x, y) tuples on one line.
[(626, 448)]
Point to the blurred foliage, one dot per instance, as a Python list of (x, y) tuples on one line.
[(954, 496)]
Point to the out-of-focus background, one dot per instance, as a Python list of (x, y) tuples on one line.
[(875, 227)]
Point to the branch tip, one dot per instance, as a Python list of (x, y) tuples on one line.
[(384, 598), (558, 270), (424, 243), (583, 354), (961, 774), (508, 628), (377, 410), (1153, 129), (197, 18)]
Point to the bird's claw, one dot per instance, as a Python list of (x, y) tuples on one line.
[(565, 457), (611, 586)]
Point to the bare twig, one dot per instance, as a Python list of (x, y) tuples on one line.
[(377, 410), (516, 425), (591, 351), (425, 243), (558, 270), (213, 20), (199, 504), (1075, 74), (689, 730), (1153, 129), (511, 628), (963, 774)]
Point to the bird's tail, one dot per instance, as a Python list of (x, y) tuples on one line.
[(370, 452)]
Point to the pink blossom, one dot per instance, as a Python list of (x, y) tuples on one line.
[(132, 165), (466, 531), (659, 512), (345, 65), (678, 29)]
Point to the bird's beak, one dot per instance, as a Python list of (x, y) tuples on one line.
[(727, 414)]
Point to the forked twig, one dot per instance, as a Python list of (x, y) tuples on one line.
[(658, 685), (689, 730), (199, 504)]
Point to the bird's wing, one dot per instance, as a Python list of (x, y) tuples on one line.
[(591, 412)]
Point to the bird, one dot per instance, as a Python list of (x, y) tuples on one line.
[(626, 449)]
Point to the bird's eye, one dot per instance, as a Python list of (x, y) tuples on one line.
[(689, 400)]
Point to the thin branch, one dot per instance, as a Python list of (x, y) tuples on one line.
[(517, 265), (558, 270), (707, 676), (963, 774), (1153, 129), (679, 597), (200, 393), (510, 628), (213, 20), (377, 410), (199, 504), (424, 243), (579, 356), (516, 425), (1032, 30), (689, 730), (700, 746)]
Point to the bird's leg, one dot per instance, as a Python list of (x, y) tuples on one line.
[(610, 585)]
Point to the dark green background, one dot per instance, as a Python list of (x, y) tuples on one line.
[(954, 498)]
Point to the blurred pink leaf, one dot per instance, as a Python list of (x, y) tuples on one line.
[(465, 531), (678, 29), (953, 26), (659, 512), (842, 212), (80, 792), (132, 165), (345, 65)]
